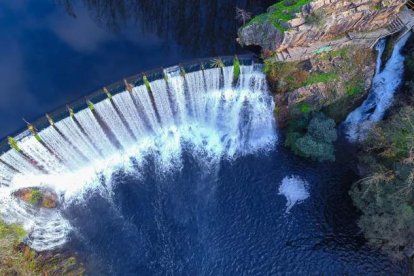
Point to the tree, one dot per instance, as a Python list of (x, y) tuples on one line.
[(386, 194), (316, 142), (242, 15)]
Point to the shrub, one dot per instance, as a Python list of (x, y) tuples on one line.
[(313, 140), (236, 70), (386, 194), (304, 107), (354, 87), (322, 129), (36, 197), (314, 149), (314, 19)]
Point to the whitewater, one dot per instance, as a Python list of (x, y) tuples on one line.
[(380, 97), (203, 112)]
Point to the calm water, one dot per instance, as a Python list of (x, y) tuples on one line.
[(224, 220), (228, 220), (53, 52)]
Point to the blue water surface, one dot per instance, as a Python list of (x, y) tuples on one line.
[(55, 51), (226, 220)]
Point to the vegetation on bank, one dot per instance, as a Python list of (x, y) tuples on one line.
[(332, 83), (385, 194), (345, 65), (280, 13), (312, 137), (18, 259), (292, 75)]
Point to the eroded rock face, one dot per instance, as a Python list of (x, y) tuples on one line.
[(265, 35), (44, 198), (322, 20), (336, 97)]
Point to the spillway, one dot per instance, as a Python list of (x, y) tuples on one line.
[(209, 109)]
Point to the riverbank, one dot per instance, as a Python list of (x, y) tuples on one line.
[(334, 80), (384, 193), (16, 258)]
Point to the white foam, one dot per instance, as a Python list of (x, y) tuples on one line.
[(381, 95), (211, 124), (294, 189)]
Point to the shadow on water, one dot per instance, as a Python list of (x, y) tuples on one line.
[(204, 28)]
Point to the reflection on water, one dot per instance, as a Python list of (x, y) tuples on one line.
[(53, 52), (200, 27)]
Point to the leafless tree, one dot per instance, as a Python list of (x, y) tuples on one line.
[(242, 15)]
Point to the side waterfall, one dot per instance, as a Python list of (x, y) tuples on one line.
[(384, 85), (209, 111)]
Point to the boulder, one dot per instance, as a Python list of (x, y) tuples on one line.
[(264, 34), (296, 22), (39, 197)]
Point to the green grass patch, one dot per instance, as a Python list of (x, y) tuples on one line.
[(354, 87), (36, 197), (291, 75), (14, 230), (320, 77), (282, 12), (343, 53)]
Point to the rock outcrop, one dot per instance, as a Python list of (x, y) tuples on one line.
[(333, 82), (44, 198), (319, 21)]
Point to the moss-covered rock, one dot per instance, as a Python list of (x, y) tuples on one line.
[(292, 24), (334, 82), (38, 197)]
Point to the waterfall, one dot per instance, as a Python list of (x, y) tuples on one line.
[(380, 97), (205, 112)]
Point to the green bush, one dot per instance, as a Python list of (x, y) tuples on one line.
[(322, 129), (304, 107), (36, 197), (281, 13), (311, 148), (355, 87), (236, 70), (386, 194), (313, 140)]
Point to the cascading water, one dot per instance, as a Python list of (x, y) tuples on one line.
[(384, 85), (202, 110)]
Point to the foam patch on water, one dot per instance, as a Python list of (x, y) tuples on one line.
[(294, 189)]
